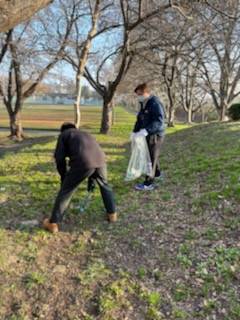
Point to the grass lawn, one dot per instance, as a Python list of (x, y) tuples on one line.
[(173, 254), (51, 116)]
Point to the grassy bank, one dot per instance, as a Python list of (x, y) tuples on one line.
[(174, 254)]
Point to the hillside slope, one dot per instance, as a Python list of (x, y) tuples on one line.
[(174, 254)]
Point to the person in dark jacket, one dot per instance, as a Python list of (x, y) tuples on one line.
[(86, 160), (150, 123)]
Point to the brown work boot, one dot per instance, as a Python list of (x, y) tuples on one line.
[(112, 217), (51, 227)]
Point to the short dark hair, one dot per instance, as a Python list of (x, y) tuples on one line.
[(67, 125), (142, 87)]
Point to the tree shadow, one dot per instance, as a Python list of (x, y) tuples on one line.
[(18, 192), (27, 143)]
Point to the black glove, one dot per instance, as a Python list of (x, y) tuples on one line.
[(91, 185)]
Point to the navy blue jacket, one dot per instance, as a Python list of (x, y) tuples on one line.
[(151, 117)]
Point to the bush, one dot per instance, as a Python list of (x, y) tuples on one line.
[(234, 112)]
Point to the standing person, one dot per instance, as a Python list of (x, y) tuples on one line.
[(150, 123), (86, 160)]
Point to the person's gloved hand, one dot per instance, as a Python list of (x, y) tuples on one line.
[(132, 135), (142, 133)]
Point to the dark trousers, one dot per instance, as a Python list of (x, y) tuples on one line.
[(154, 144), (72, 180)]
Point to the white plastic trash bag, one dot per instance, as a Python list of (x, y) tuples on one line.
[(140, 161)]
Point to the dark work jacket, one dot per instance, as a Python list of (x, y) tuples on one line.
[(81, 148), (151, 117)]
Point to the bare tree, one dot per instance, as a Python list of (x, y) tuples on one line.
[(27, 62), (131, 15), (80, 46), (169, 49), (190, 94), (5, 40), (169, 54), (220, 38), (183, 61)]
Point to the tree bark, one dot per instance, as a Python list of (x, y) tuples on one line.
[(171, 109), (107, 113), (190, 115), (16, 130), (223, 110), (171, 116), (77, 115), (203, 115), (77, 105)]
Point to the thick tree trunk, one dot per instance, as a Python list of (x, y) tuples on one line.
[(222, 108), (223, 116), (107, 117), (16, 129)]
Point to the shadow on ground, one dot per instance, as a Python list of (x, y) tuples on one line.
[(11, 146)]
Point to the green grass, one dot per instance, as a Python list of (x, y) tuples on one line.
[(174, 254), (52, 116)]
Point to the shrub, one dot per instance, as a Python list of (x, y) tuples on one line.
[(234, 112)]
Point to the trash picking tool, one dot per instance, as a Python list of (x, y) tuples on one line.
[(84, 204)]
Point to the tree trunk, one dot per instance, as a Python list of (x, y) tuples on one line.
[(106, 123), (171, 116), (171, 110), (16, 130), (83, 61), (77, 105), (223, 110), (77, 115), (203, 115), (190, 115)]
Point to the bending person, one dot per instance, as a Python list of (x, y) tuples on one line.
[(86, 161)]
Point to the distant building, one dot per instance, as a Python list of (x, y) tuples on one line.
[(61, 98), (51, 98)]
